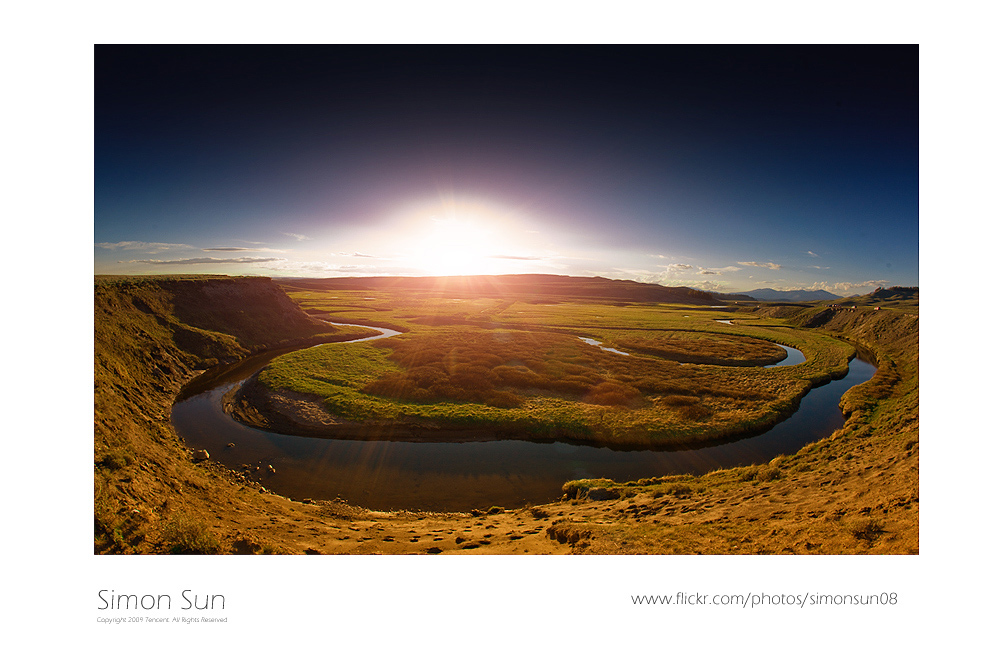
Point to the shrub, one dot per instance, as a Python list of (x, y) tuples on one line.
[(613, 393), (678, 489), (764, 473), (868, 530), (678, 400), (694, 412), (767, 474), (116, 459), (187, 535), (503, 399)]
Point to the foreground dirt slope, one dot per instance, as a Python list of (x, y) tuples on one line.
[(855, 492)]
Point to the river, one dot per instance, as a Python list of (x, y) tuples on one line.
[(458, 476)]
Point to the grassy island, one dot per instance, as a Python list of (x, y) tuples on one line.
[(523, 370)]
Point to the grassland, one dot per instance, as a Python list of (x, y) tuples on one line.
[(490, 367), (856, 491)]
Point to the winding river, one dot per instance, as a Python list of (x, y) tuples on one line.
[(457, 476)]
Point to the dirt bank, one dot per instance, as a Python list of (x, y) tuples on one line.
[(288, 412)]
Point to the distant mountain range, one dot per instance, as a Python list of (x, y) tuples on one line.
[(784, 295), (896, 294), (523, 286)]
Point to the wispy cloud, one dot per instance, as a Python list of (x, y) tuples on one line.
[(867, 285), (297, 237), (672, 269), (142, 246), (525, 258), (205, 260), (237, 249), (762, 265), (811, 253), (674, 275), (709, 286), (354, 254)]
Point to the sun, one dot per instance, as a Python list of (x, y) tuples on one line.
[(452, 236), (455, 247)]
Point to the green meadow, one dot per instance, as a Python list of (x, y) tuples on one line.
[(519, 367)]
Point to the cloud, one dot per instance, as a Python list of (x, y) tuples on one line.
[(717, 270), (525, 258), (354, 254), (206, 260), (301, 268), (811, 253), (237, 249), (142, 246), (674, 268), (867, 285), (762, 265), (816, 286), (372, 270), (714, 271), (668, 278), (297, 237), (709, 286), (821, 268), (352, 268)]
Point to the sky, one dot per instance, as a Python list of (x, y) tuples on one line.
[(720, 168)]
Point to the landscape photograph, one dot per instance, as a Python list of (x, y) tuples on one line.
[(518, 300)]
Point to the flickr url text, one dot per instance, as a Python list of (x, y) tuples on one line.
[(753, 600)]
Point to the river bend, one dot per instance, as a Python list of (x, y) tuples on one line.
[(457, 476)]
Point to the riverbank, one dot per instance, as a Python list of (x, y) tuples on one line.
[(854, 492)]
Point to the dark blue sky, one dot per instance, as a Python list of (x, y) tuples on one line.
[(716, 167)]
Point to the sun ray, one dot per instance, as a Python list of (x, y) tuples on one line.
[(453, 236)]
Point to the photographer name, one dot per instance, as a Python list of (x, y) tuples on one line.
[(110, 600)]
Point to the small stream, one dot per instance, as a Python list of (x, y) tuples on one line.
[(458, 476)]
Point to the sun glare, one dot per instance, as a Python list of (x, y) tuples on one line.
[(451, 238), (454, 247)]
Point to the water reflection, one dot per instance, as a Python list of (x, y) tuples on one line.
[(591, 341)]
